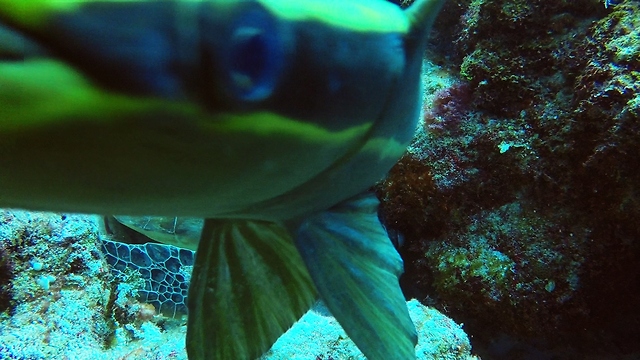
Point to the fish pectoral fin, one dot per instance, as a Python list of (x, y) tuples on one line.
[(356, 268), (248, 286)]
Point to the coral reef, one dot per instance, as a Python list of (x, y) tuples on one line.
[(518, 199), (511, 260), (65, 302), (61, 300)]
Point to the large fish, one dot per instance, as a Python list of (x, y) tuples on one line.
[(267, 118)]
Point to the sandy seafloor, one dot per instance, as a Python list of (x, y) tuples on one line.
[(59, 300)]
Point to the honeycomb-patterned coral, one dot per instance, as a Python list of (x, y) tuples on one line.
[(165, 269)]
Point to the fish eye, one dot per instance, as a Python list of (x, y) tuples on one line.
[(255, 56)]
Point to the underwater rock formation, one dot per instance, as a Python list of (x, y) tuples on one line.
[(518, 200)]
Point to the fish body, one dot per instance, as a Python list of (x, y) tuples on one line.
[(267, 118), (122, 93)]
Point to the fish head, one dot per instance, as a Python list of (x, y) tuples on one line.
[(202, 108)]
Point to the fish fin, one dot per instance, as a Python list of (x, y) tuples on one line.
[(248, 286), (356, 268), (422, 14)]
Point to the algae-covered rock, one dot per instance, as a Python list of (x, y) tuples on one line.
[(518, 200)]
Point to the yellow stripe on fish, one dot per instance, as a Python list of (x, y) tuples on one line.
[(358, 15)]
